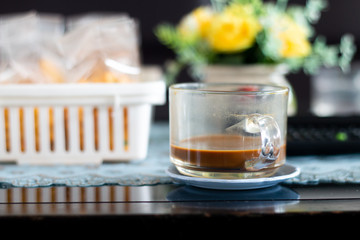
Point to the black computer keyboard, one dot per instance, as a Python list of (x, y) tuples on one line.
[(323, 135)]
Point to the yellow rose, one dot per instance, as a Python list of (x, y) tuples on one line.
[(234, 29), (196, 23), (293, 38)]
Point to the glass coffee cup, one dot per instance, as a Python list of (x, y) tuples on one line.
[(228, 130)]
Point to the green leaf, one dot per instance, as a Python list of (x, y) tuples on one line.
[(314, 8), (172, 70), (168, 35), (257, 5), (218, 5), (281, 5), (347, 50)]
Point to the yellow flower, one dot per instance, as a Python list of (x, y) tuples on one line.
[(293, 38), (234, 29), (196, 23)]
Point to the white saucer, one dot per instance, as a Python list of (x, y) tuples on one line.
[(284, 173)]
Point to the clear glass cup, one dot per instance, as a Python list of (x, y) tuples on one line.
[(231, 131)]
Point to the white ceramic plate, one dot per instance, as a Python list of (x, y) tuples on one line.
[(284, 173)]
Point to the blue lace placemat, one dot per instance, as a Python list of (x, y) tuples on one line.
[(326, 169), (151, 171)]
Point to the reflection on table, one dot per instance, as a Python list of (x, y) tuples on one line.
[(25, 201)]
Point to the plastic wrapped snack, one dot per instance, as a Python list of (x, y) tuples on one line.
[(96, 48), (101, 48), (28, 48)]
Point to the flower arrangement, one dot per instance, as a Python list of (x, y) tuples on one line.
[(252, 32)]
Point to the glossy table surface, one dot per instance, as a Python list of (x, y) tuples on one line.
[(170, 205), (174, 199)]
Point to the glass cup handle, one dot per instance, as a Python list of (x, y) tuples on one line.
[(270, 140)]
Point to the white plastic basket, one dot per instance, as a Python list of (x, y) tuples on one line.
[(76, 123)]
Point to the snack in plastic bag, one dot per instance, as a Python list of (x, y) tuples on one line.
[(28, 46), (97, 48), (101, 48)]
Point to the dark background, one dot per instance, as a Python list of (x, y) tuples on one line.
[(341, 17)]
